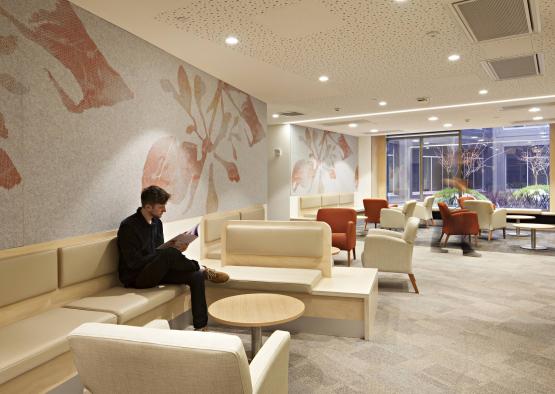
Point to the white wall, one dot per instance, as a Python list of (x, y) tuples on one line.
[(279, 172), (364, 170)]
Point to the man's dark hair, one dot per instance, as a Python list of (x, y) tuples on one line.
[(154, 195)]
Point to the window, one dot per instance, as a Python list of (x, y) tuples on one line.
[(507, 165)]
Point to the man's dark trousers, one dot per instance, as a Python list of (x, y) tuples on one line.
[(172, 267)]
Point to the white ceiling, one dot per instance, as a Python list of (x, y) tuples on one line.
[(371, 50)]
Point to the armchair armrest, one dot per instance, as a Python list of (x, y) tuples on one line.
[(269, 368), (158, 323)]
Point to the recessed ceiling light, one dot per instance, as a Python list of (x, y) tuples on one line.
[(454, 57), (483, 92), (433, 118), (275, 116), (534, 109), (537, 118), (447, 124), (352, 125), (231, 40), (323, 78), (382, 103), (374, 130)]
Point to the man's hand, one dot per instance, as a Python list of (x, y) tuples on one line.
[(181, 246)]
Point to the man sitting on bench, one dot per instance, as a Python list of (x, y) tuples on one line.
[(142, 264)]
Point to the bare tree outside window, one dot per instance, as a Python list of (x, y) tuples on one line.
[(537, 160)]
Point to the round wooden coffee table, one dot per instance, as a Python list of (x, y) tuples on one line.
[(518, 218), (533, 227), (255, 311)]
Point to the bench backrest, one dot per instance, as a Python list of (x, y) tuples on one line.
[(254, 212), (79, 263), (277, 244), (330, 200)]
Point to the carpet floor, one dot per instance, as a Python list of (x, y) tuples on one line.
[(481, 324)]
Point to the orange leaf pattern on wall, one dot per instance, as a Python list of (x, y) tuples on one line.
[(180, 170), (62, 34), (9, 176), (324, 150)]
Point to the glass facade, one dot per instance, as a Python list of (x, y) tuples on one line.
[(506, 165)]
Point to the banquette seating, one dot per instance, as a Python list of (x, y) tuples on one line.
[(211, 227), (294, 258), (164, 360), (48, 290), (309, 205)]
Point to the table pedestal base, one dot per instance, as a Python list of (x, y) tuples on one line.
[(517, 232), (533, 245), (256, 340)]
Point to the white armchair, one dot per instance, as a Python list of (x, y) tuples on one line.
[(390, 251), (154, 359), (489, 219), (423, 210), (397, 217)]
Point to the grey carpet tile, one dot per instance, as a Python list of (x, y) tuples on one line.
[(480, 325)]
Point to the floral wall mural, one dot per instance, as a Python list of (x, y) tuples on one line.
[(90, 114), (322, 161)]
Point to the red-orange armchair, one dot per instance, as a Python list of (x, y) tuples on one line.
[(343, 228), (372, 208), (458, 222)]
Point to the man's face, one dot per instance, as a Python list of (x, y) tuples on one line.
[(156, 210)]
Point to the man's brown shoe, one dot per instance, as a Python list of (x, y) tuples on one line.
[(215, 276)]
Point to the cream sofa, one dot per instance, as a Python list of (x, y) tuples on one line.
[(489, 219), (309, 205), (380, 244), (294, 258), (211, 227), (164, 360), (48, 290)]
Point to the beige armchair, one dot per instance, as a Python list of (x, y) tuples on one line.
[(390, 251), (397, 217), (489, 219), (423, 210), (125, 359)]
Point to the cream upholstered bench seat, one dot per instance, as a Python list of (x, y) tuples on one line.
[(30, 342), (127, 304), (270, 279), (294, 258)]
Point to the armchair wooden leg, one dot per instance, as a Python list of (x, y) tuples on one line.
[(375, 225), (446, 239), (348, 258), (433, 223), (439, 242), (365, 225), (490, 235), (354, 254), (504, 233), (476, 239), (413, 281)]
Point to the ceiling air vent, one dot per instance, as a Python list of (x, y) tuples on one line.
[(290, 113), (485, 20), (514, 67)]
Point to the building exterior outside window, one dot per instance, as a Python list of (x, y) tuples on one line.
[(507, 165)]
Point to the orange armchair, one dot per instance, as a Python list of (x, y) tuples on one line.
[(343, 228), (462, 199), (458, 222), (372, 208)]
